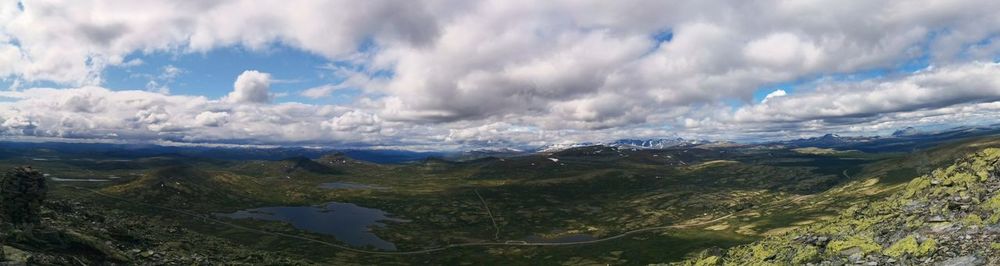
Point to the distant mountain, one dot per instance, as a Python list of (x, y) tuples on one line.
[(828, 141), (390, 156), (908, 131), (641, 144), (485, 153), (654, 143), (903, 140), (130, 151), (563, 146)]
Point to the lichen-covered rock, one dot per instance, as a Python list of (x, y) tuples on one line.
[(910, 246), (948, 217)]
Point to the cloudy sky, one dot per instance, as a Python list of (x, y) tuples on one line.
[(444, 73)]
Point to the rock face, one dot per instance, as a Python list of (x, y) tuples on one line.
[(948, 217), (22, 191)]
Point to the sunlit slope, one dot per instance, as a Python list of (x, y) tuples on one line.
[(949, 214)]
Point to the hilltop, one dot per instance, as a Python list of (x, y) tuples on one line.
[(949, 216)]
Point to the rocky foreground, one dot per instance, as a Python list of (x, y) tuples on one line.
[(949, 217), (39, 231)]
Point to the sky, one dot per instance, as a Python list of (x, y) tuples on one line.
[(443, 74)]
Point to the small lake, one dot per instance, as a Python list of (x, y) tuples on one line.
[(56, 179), (346, 185), (346, 222)]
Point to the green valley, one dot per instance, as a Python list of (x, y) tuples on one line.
[(586, 205)]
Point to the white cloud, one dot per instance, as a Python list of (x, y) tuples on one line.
[(95, 112), (462, 71), (133, 62), (211, 119), (161, 83), (320, 91), (354, 121), (774, 94), (251, 87), (782, 50), (937, 88), (71, 42)]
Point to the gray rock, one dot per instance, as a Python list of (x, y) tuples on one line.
[(943, 227), (15, 256), (969, 260), (856, 256), (851, 252)]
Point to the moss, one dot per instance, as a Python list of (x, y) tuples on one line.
[(761, 252), (709, 261), (908, 245), (913, 222), (926, 248), (866, 244), (805, 254), (851, 211), (995, 246), (972, 220), (963, 178), (903, 246), (993, 204), (917, 185)]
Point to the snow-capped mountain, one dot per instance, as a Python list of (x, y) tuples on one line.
[(563, 146), (626, 144), (827, 141), (654, 143)]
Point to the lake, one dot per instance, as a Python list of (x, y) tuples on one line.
[(346, 222), (56, 179)]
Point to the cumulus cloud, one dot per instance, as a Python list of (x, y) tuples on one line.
[(442, 70), (354, 121), (929, 89), (251, 87), (96, 112), (966, 94), (80, 38), (211, 119), (540, 64)]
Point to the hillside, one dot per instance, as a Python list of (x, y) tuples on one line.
[(949, 216), (697, 201)]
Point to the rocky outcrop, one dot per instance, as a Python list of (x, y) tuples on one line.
[(948, 217), (22, 191)]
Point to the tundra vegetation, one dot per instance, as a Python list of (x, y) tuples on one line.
[(732, 205)]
